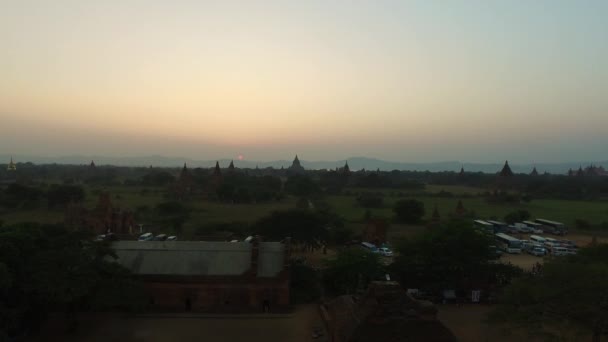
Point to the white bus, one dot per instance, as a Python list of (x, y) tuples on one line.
[(537, 239), (481, 224), (508, 243), (557, 228)]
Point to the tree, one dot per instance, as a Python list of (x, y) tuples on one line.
[(46, 268), (351, 270), (409, 210), (569, 292), (517, 216), (303, 226), (301, 186), (453, 256)]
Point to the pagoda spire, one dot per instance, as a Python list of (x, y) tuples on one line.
[(11, 166), (534, 172), (506, 170), (346, 167), (231, 166), (217, 171)]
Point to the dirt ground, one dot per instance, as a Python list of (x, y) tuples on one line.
[(467, 323), (297, 327)]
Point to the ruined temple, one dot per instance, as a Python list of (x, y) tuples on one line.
[(375, 231), (506, 170), (102, 219), (296, 167), (460, 210), (385, 313), (184, 186), (534, 173)]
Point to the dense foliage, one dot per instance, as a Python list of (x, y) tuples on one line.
[(568, 296), (46, 268), (409, 211), (351, 270), (454, 256)]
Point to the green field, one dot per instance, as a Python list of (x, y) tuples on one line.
[(205, 212)]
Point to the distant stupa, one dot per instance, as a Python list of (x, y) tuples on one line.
[(11, 166), (534, 172), (217, 172), (506, 170), (296, 167)]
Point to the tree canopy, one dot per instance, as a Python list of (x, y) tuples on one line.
[(304, 226), (352, 269), (409, 210), (45, 267), (454, 256), (569, 296)]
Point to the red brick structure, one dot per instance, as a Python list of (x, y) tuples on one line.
[(197, 276), (103, 219), (375, 232), (385, 313), (184, 186)]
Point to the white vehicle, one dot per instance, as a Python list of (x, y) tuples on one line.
[(384, 251), (522, 228), (536, 249), (559, 251), (370, 247), (508, 243), (146, 237), (537, 239), (172, 238), (535, 228)]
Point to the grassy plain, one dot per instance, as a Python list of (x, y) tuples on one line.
[(205, 212)]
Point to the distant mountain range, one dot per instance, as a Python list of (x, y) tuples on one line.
[(355, 163)]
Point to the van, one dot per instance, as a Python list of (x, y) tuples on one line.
[(145, 237), (559, 251)]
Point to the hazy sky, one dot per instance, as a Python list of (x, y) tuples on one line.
[(479, 81)]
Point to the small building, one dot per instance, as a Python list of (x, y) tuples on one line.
[(203, 276)]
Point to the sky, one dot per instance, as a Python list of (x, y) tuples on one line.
[(416, 81)]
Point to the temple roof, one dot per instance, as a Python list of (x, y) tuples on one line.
[(506, 170), (534, 172), (217, 171)]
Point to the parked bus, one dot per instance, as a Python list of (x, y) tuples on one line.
[(370, 247), (536, 227), (498, 226), (537, 239), (508, 243), (557, 228), (483, 225)]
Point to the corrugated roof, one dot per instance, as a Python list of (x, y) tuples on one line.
[(198, 258)]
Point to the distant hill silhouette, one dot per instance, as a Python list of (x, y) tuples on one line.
[(355, 163)]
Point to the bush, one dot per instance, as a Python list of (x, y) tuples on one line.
[(409, 211), (517, 216)]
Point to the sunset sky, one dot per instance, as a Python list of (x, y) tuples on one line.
[(478, 81)]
